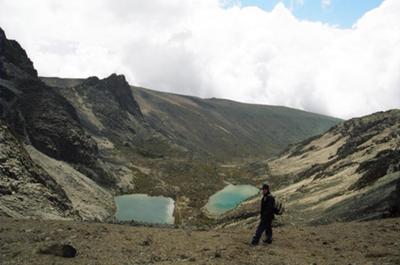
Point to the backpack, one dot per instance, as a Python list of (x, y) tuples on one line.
[(278, 208)]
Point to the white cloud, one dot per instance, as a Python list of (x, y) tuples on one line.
[(201, 48), (326, 3), (295, 3)]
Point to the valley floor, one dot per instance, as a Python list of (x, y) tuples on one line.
[(375, 242)]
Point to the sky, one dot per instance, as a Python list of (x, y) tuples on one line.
[(324, 56), (342, 13)]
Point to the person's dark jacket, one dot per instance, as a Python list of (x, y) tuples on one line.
[(267, 207)]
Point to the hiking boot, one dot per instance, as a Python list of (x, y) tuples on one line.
[(267, 241)]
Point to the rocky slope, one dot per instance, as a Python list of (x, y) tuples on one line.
[(35, 118), (25, 188), (40, 116), (352, 172), (35, 185)]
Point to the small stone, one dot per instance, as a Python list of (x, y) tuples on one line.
[(183, 256)]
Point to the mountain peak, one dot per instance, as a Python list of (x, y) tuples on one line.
[(14, 62), (119, 88), (2, 34), (117, 80)]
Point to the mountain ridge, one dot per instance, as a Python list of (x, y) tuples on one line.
[(178, 110)]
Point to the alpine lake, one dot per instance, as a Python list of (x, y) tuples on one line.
[(229, 198), (159, 210), (145, 209)]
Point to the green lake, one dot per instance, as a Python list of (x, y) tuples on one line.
[(144, 208), (229, 197)]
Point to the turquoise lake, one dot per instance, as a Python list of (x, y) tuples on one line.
[(144, 208), (229, 197)]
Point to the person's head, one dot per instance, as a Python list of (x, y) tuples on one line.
[(265, 189)]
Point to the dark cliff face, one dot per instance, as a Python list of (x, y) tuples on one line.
[(14, 61), (53, 126), (40, 115), (114, 86), (122, 93), (25, 188)]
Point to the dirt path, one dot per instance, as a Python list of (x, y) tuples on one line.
[(374, 242)]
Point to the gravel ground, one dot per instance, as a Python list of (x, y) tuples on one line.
[(22, 241)]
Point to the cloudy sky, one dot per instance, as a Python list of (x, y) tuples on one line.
[(324, 56)]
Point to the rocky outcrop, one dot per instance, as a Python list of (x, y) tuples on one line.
[(121, 91), (112, 102), (38, 122), (42, 117), (14, 63), (25, 188)]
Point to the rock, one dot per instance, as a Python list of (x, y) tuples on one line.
[(146, 242), (183, 256), (60, 250)]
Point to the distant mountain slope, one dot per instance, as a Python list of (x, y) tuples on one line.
[(221, 128), (225, 128), (352, 172)]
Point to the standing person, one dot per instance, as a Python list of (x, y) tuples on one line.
[(267, 215)]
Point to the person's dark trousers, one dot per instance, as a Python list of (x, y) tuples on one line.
[(265, 225)]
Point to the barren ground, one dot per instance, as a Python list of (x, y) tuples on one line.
[(375, 242)]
